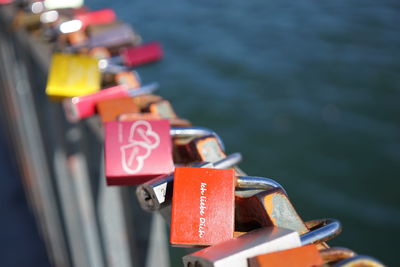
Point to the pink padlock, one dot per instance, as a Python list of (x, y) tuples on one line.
[(137, 151), (80, 107)]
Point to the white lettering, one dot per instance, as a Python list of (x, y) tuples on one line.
[(203, 207)]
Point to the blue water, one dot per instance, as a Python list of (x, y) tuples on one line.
[(308, 91)]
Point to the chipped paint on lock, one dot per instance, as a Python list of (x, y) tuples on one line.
[(210, 150), (282, 213)]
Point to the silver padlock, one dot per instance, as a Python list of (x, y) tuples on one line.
[(235, 252)]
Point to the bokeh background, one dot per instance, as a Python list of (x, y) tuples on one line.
[(308, 91)]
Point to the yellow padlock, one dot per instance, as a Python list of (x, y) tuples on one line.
[(72, 75)]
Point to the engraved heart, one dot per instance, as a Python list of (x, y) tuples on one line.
[(133, 157), (142, 133)]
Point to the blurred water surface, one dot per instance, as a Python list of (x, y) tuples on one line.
[(308, 91)]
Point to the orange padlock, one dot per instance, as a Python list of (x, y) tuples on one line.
[(305, 256), (110, 109), (202, 206)]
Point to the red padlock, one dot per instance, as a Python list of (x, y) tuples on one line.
[(137, 151), (97, 17), (83, 20), (143, 54), (137, 55), (203, 211)]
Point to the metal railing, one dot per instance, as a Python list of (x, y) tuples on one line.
[(82, 221)]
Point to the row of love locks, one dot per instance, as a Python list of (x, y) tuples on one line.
[(180, 170)]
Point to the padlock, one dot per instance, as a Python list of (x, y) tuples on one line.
[(138, 55), (110, 109), (72, 75), (304, 256), (112, 38), (137, 151), (77, 108), (202, 206), (156, 110), (211, 190), (83, 20), (163, 187), (267, 208), (134, 56), (156, 194), (96, 29), (359, 261), (236, 251), (152, 199)]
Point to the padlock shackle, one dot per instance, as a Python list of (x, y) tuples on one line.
[(359, 260), (225, 163), (105, 65), (228, 162), (321, 230), (195, 131), (334, 254), (144, 90), (255, 182)]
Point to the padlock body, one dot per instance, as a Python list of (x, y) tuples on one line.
[(147, 53), (81, 107), (110, 109), (236, 251), (202, 206), (304, 256), (72, 75), (137, 151), (114, 37), (97, 17)]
